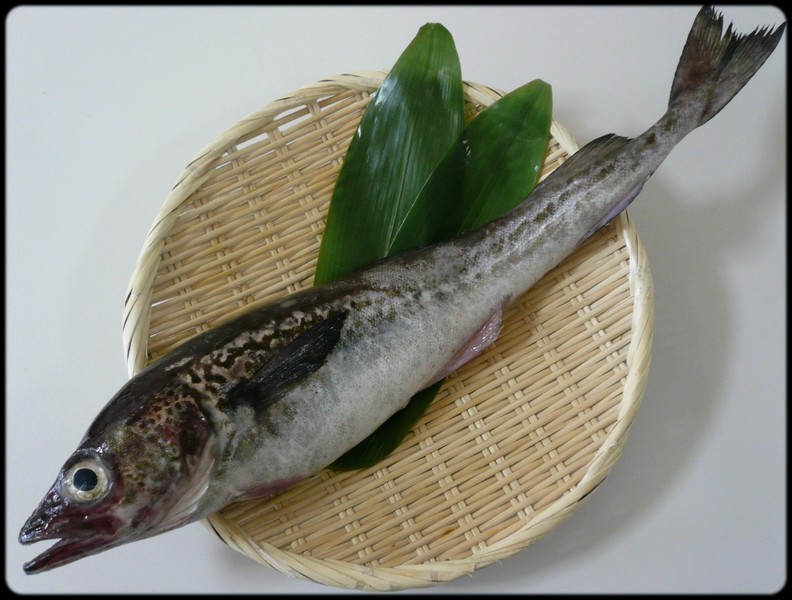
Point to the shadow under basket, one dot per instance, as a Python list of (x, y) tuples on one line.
[(514, 440)]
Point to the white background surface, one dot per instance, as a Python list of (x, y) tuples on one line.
[(105, 106)]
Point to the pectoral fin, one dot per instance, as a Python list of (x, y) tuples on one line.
[(287, 366)]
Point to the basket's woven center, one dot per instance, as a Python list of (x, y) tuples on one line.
[(509, 434)]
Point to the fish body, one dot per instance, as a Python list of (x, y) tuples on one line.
[(272, 397)]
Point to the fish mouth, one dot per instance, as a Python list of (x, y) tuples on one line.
[(64, 551), (68, 548)]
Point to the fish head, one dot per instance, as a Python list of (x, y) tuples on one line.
[(133, 476)]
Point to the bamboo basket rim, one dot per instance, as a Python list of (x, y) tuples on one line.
[(138, 308)]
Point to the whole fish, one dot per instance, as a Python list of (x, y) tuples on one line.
[(272, 397)]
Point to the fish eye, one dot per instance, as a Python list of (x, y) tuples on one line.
[(86, 480)]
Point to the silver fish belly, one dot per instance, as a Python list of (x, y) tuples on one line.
[(277, 394), (372, 371)]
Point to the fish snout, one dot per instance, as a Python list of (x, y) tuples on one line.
[(47, 520), (80, 530), (33, 530)]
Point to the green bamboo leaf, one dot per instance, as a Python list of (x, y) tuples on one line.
[(413, 118), (491, 168), (494, 165), (511, 135)]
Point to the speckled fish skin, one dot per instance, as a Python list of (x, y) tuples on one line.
[(272, 397)]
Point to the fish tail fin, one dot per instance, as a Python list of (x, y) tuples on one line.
[(714, 67)]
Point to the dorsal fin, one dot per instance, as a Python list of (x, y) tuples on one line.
[(596, 149)]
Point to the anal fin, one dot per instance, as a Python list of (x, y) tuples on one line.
[(474, 346), (614, 211)]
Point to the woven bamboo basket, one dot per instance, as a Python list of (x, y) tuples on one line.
[(514, 441)]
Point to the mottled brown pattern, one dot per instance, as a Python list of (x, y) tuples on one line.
[(160, 442)]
